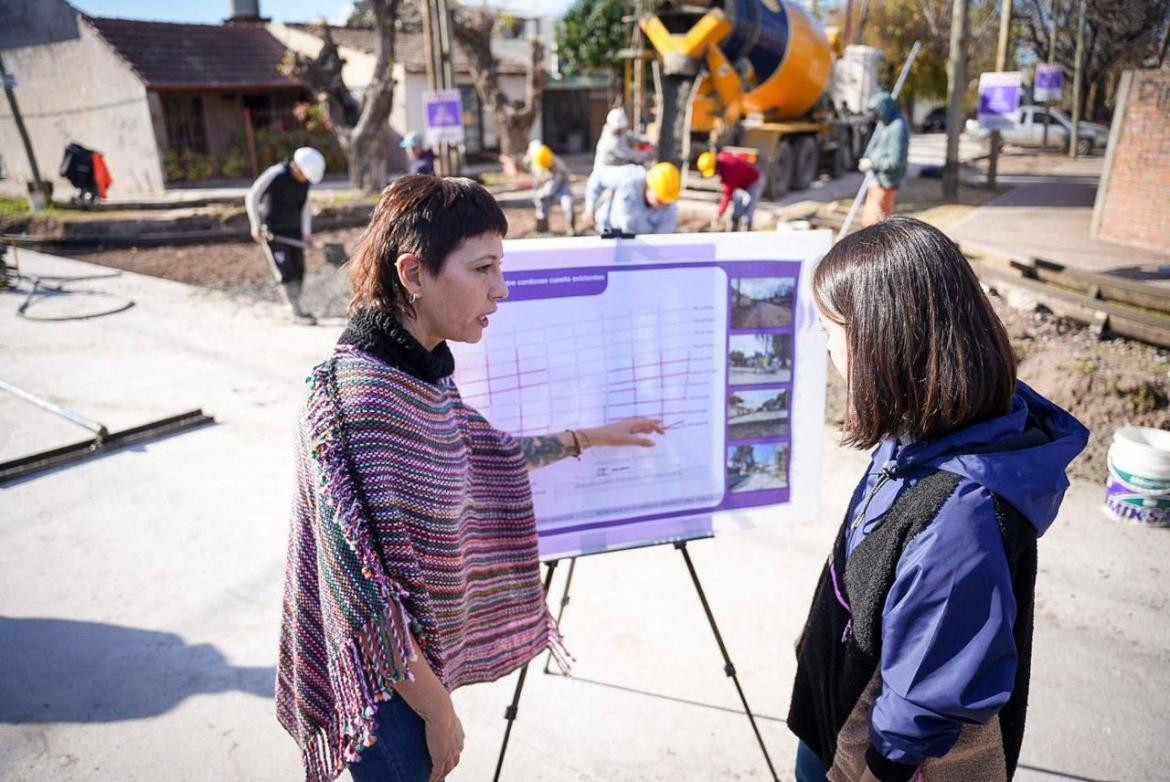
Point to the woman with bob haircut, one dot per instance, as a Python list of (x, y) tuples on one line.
[(914, 661), (412, 562)]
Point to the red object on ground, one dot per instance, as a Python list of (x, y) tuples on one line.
[(734, 173), (101, 174)]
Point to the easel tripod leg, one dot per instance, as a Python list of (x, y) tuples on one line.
[(511, 711), (561, 609), (728, 666)]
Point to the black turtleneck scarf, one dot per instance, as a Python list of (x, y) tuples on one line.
[(379, 333)]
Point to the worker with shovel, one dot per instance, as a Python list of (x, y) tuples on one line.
[(277, 204)]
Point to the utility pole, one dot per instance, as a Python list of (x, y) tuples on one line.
[(1051, 59), (1001, 52), (446, 58), (38, 189), (956, 87), (437, 48), (1074, 132)]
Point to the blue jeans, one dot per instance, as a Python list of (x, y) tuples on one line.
[(809, 767), (400, 753)]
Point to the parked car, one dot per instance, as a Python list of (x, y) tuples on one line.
[(935, 121), (1028, 130)]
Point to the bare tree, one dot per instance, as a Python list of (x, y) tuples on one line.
[(361, 129), (1119, 34), (472, 28)]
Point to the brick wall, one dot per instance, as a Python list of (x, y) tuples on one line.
[(1133, 201)]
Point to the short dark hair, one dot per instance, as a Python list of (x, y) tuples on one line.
[(927, 353), (425, 215)]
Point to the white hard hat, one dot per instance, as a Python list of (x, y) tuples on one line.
[(534, 145), (617, 119), (311, 163)]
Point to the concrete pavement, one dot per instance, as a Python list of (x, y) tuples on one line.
[(140, 592), (1047, 215)]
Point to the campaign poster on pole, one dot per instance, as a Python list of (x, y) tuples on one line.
[(999, 99), (444, 117), (713, 334), (1048, 83)]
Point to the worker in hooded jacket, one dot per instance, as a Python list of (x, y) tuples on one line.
[(887, 162)]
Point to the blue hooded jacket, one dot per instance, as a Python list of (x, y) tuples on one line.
[(892, 150), (948, 656)]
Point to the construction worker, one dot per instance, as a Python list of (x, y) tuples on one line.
[(550, 180), (613, 148), (422, 158), (888, 160), (640, 201), (277, 204), (741, 183)]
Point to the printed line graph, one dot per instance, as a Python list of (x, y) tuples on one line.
[(645, 347), (592, 370)]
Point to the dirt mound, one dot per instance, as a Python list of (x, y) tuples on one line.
[(1106, 384)]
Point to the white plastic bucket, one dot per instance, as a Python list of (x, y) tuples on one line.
[(1138, 489)]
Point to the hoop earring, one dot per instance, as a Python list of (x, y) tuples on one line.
[(415, 297)]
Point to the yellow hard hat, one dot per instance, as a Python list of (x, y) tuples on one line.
[(664, 181), (543, 157), (706, 163)]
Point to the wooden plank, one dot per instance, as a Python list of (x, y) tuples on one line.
[(1123, 321)]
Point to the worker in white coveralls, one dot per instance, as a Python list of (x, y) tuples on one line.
[(277, 204), (613, 148), (550, 182), (640, 201)]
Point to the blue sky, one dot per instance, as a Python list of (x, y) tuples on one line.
[(214, 11)]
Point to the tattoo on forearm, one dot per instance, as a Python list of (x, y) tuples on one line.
[(542, 451)]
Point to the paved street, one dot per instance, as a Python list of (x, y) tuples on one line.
[(140, 592)]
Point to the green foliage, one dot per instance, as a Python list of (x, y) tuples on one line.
[(272, 146), (591, 35), (11, 206), (186, 166), (362, 16)]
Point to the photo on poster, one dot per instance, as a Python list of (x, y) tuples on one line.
[(762, 302), (757, 467), (759, 358), (757, 413)]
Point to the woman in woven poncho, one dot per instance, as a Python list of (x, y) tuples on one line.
[(412, 563)]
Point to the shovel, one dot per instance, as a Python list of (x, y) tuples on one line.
[(335, 254)]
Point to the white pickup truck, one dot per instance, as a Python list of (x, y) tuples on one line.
[(1028, 130)]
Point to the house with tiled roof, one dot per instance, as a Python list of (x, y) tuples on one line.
[(165, 103)]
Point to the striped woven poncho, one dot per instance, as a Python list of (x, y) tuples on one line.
[(414, 515)]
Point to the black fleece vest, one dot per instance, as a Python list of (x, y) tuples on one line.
[(839, 654), (282, 203)]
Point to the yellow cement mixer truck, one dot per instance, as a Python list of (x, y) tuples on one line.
[(761, 74)]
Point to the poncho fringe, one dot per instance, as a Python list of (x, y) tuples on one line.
[(363, 670)]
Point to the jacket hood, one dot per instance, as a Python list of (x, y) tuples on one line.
[(1020, 456), (885, 106)]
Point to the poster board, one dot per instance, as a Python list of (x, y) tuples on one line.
[(999, 99), (714, 334), (444, 117), (1048, 83)]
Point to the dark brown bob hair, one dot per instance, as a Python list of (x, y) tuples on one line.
[(427, 216), (927, 353)]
